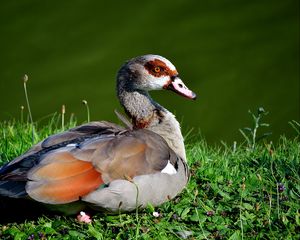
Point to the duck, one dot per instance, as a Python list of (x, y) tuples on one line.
[(105, 166)]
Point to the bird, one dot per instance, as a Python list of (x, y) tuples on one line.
[(105, 166)]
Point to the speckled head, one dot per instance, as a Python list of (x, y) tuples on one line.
[(152, 72)]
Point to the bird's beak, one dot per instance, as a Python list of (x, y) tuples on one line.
[(176, 85)]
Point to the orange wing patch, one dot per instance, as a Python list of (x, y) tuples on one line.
[(62, 179), (59, 166)]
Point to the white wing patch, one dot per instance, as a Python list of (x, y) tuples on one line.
[(169, 169), (71, 145)]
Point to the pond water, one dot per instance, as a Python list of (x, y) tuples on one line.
[(236, 56)]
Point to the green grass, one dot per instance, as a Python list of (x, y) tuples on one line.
[(235, 192)]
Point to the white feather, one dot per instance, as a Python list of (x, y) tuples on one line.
[(169, 169), (72, 145)]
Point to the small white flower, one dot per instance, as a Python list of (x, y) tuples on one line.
[(155, 214), (82, 213), (83, 217)]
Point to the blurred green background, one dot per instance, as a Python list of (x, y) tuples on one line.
[(236, 55)]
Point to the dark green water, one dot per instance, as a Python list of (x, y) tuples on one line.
[(235, 55)]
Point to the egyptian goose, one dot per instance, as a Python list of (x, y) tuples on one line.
[(106, 166)]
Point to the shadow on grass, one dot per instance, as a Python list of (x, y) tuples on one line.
[(20, 210)]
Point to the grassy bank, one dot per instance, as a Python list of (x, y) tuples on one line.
[(235, 191)]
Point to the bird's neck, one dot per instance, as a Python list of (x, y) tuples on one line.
[(146, 113)]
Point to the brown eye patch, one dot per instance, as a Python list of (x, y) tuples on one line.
[(158, 68)]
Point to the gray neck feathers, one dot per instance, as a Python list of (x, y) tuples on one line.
[(138, 104), (146, 113)]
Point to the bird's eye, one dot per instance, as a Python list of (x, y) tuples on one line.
[(157, 69)]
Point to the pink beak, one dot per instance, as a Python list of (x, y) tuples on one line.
[(176, 85)]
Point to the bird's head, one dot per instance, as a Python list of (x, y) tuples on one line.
[(152, 72)]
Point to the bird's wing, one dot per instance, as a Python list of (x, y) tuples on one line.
[(80, 165), (13, 175)]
